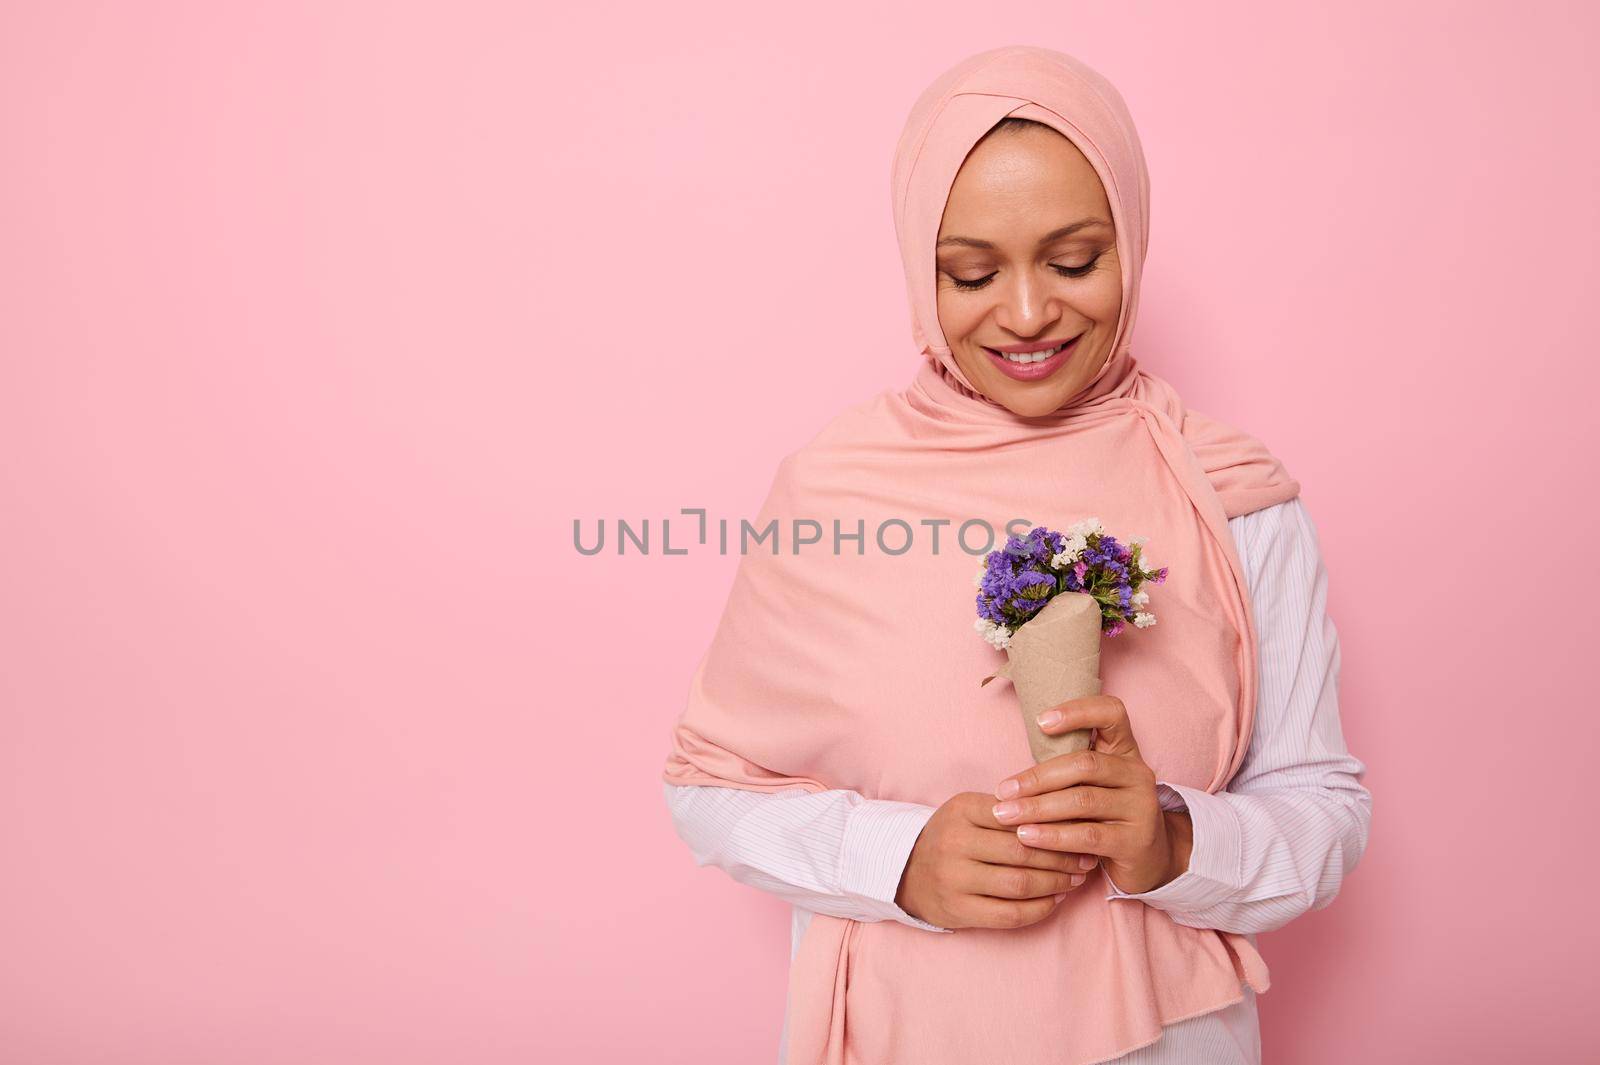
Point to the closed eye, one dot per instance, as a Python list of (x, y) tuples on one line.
[(1065, 271)]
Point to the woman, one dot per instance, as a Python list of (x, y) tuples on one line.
[(954, 903)]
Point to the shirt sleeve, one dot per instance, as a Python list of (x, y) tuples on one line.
[(835, 852), (1293, 822)]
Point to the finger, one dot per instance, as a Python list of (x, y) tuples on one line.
[(1002, 847), (1104, 713), (1013, 881), (989, 912), (1081, 802), (1078, 767), (1085, 837)]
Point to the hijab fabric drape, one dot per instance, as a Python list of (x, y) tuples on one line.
[(859, 669)]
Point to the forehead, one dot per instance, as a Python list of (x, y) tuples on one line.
[(1016, 183)]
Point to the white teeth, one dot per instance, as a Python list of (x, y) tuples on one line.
[(1034, 356)]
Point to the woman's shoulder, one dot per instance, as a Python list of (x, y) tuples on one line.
[(833, 448), (867, 423), (1242, 469)]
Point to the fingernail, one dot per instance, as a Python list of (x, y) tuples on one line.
[(1049, 717), (1007, 789), (1059, 897), (1077, 878), (1028, 832), (1086, 862), (1005, 809)]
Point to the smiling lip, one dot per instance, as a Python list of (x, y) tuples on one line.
[(1031, 371), (1023, 349)]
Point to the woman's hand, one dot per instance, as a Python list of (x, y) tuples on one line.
[(967, 870), (1101, 801)]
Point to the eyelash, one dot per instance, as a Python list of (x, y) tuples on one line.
[(1067, 271)]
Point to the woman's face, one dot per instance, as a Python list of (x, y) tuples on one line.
[(1027, 259)]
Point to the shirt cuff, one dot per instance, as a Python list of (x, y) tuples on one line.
[(1170, 797), (1214, 861), (878, 839)]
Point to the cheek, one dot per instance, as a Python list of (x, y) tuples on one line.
[(1102, 301), (959, 314)]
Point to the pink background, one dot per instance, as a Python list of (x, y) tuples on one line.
[(320, 743)]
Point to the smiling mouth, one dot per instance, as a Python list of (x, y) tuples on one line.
[(1027, 358), (1033, 365)]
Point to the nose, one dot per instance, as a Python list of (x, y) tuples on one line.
[(1025, 306)]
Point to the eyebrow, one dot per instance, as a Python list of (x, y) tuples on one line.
[(1054, 234)]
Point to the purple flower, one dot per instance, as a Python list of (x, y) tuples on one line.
[(1019, 579)]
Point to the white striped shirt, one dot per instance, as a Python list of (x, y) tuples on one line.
[(1277, 842)]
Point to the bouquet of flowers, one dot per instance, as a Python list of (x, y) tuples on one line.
[(1045, 599)]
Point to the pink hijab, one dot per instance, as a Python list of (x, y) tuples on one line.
[(860, 669)]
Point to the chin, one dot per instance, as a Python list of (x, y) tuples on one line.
[(1033, 404), (1029, 400)]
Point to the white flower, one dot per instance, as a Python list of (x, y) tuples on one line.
[(1137, 540), (983, 570), (1144, 621), (1085, 527), (993, 632), (1070, 552), (1140, 598)]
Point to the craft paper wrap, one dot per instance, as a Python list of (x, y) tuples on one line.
[(1053, 658)]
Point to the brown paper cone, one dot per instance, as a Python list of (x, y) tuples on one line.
[(1054, 656)]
